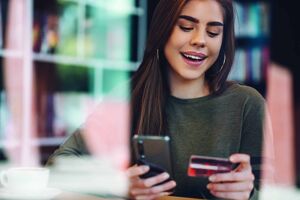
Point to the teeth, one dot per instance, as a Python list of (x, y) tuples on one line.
[(193, 57)]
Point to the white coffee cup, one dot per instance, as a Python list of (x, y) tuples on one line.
[(25, 179)]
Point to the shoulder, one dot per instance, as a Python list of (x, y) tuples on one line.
[(251, 102), (242, 97), (244, 93)]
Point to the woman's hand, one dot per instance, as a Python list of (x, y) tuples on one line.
[(144, 189), (237, 184)]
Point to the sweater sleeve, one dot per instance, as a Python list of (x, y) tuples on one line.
[(252, 135), (73, 146)]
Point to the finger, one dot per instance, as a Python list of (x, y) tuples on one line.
[(243, 167), (137, 170), (163, 187), (155, 196), (149, 182), (231, 187), (137, 183), (153, 190), (232, 176), (239, 157), (243, 159), (232, 195)]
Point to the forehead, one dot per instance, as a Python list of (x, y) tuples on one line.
[(203, 10)]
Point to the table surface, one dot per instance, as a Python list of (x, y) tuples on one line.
[(77, 196)]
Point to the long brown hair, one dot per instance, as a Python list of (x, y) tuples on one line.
[(150, 85)]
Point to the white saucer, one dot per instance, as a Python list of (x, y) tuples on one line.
[(48, 193)]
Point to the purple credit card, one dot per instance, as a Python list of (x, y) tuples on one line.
[(204, 166)]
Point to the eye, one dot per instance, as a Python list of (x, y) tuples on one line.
[(186, 29), (212, 34)]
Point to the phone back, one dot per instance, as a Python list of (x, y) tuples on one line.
[(153, 149)]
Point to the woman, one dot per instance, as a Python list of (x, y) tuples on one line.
[(180, 90)]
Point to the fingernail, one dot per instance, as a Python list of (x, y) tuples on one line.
[(212, 192), (173, 183), (166, 175), (145, 168), (212, 178), (232, 158), (208, 186)]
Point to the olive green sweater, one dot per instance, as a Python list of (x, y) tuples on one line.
[(212, 126)]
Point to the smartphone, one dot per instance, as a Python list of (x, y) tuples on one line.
[(204, 166), (153, 151)]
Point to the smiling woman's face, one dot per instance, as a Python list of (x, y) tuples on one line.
[(195, 42)]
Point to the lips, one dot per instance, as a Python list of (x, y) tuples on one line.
[(193, 58)]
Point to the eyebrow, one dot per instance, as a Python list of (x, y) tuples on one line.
[(215, 24), (189, 18), (194, 20)]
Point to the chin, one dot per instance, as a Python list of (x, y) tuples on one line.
[(190, 77)]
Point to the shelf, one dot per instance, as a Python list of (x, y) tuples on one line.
[(89, 62), (75, 61), (82, 33), (11, 53), (11, 144), (129, 10), (251, 42), (54, 141)]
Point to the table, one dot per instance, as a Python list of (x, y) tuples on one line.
[(77, 196)]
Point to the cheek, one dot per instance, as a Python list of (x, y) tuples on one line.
[(177, 39), (172, 46), (167, 51), (216, 47)]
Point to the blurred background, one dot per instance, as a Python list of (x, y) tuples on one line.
[(58, 58)]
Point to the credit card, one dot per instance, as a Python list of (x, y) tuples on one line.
[(204, 166)]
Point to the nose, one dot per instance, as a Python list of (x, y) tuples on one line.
[(198, 39)]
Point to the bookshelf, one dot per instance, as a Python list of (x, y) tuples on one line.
[(252, 26), (70, 47)]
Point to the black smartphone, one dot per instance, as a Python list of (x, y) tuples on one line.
[(153, 151)]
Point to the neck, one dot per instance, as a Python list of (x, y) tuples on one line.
[(188, 89)]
